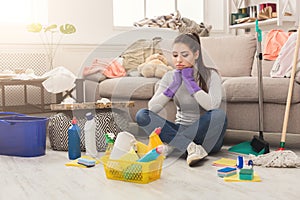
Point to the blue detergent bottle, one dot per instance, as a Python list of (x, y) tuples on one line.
[(74, 140)]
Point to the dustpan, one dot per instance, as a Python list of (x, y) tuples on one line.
[(245, 148), (258, 145)]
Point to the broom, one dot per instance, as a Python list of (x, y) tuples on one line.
[(258, 143), (282, 157)]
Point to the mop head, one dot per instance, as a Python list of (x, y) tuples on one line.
[(279, 159)]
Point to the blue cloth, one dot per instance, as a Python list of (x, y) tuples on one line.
[(208, 130)]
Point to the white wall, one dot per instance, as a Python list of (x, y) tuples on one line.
[(94, 22), (93, 19)]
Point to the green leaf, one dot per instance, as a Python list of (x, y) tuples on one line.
[(67, 29), (34, 27), (50, 28)]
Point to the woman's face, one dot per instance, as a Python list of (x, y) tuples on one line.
[(183, 57)]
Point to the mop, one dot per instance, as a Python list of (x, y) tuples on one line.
[(282, 157)]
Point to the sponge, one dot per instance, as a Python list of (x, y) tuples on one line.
[(246, 174), (227, 171), (86, 162)]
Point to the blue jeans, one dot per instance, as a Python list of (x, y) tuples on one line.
[(208, 130)]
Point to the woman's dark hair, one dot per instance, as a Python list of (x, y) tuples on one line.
[(192, 40)]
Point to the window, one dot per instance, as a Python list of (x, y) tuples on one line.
[(23, 11), (126, 12)]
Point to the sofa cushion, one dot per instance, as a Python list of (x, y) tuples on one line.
[(128, 88), (244, 89), (232, 55), (265, 68)]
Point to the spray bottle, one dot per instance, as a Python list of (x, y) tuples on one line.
[(110, 140)]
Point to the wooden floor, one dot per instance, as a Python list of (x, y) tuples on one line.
[(47, 177)]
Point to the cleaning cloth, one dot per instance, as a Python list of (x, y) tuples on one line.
[(59, 80), (224, 162), (235, 178)]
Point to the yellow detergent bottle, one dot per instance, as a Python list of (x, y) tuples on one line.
[(154, 139)]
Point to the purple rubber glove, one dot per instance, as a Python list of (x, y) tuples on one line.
[(173, 87), (189, 81)]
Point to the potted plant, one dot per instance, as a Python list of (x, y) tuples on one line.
[(48, 36)]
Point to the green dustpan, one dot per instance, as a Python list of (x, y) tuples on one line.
[(245, 148)]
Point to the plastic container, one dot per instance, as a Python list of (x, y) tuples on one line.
[(136, 172), (123, 143), (74, 140), (22, 135), (90, 136)]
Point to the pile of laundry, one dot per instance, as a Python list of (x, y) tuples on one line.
[(176, 22)]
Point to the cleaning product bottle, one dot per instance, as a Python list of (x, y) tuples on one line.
[(110, 140), (153, 154), (154, 139), (90, 135), (74, 140)]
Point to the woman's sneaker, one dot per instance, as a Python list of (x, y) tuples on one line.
[(195, 153)]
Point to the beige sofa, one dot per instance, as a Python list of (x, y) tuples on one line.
[(235, 57)]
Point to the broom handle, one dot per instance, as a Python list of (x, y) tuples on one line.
[(290, 91)]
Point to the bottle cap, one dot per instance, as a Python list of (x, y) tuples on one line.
[(157, 130), (161, 149), (89, 116), (74, 120)]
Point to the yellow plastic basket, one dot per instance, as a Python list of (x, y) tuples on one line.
[(137, 172)]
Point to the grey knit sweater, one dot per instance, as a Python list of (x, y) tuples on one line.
[(188, 106)]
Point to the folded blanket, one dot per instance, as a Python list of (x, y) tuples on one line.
[(110, 67), (115, 69), (98, 65), (275, 39)]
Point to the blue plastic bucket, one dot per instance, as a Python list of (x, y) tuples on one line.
[(22, 135)]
